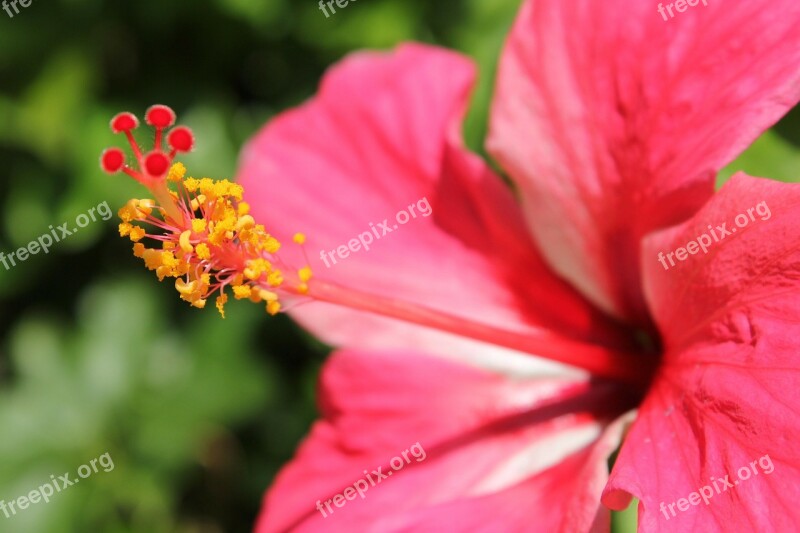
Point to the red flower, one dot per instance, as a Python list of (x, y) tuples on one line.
[(612, 124)]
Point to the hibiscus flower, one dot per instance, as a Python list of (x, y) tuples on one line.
[(493, 353)]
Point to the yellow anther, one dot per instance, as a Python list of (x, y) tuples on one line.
[(235, 191), (176, 172), (275, 278), (267, 296), (197, 202), (168, 259), (305, 273), (137, 234), (128, 212), (138, 250), (125, 229), (185, 288), (222, 299), (199, 225), (152, 258), (202, 251), (242, 291), (299, 238), (273, 307), (302, 288), (162, 272), (243, 209), (200, 304), (272, 245), (206, 186), (256, 267), (245, 222), (186, 246), (145, 207)]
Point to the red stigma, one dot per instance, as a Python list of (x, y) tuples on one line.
[(124, 122), (180, 139), (151, 166), (112, 160), (160, 116), (157, 163)]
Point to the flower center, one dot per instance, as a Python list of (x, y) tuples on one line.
[(649, 346), (200, 230)]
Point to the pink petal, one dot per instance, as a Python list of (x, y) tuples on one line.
[(613, 122), (536, 448), (382, 134), (726, 395)]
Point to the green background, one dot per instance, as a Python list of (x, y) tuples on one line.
[(96, 356)]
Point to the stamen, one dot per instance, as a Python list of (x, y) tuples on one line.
[(208, 242), (204, 236)]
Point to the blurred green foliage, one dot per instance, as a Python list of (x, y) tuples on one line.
[(198, 413)]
